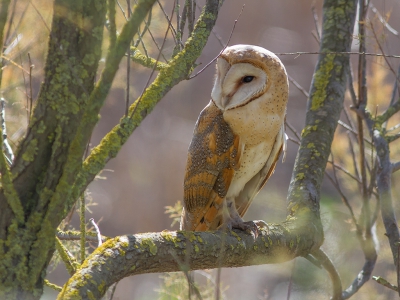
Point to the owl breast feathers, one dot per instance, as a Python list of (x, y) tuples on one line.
[(237, 139)]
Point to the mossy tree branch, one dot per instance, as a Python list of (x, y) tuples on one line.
[(299, 235), (176, 70)]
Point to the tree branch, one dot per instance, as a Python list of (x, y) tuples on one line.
[(178, 69), (166, 252)]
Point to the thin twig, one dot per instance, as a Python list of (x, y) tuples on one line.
[(315, 16), (383, 52), (97, 230), (190, 15), (173, 30), (292, 129), (31, 66), (339, 53), (122, 10), (10, 36), (336, 166), (385, 283), (289, 288), (112, 28), (298, 86), (218, 284), (346, 202), (227, 43), (333, 274), (40, 15), (382, 20), (361, 104), (154, 68), (396, 166), (82, 219), (395, 127), (113, 290), (214, 32), (128, 67), (351, 86), (153, 39), (8, 152), (362, 277)]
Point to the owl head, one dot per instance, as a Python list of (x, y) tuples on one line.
[(246, 73)]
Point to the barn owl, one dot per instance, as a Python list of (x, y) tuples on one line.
[(237, 139)]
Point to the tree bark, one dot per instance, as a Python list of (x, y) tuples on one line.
[(32, 206)]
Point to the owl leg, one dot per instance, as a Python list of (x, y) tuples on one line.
[(232, 219)]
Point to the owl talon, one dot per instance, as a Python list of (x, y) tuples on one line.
[(262, 224)]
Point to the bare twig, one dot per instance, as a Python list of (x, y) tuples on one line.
[(382, 51), (10, 36), (190, 16), (384, 188), (112, 27), (97, 230), (297, 54), (218, 284), (214, 32), (361, 104), (154, 68), (395, 127), (181, 24), (40, 15), (333, 274), (289, 288), (315, 16), (382, 20), (9, 155), (385, 283), (174, 32), (395, 88), (336, 166), (227, 43), (122, 10), (396, 166), (362, 278), (354, 159), (346, 202), (298, 86), (31, 66), (114, 287), (292, 129), (82, 219), (351, 86), (392, 138), (128, 67)]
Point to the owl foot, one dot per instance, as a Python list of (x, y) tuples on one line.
[(252, 227), (249, 227)]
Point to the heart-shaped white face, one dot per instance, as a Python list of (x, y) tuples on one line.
[(245, 73), (237, 84)]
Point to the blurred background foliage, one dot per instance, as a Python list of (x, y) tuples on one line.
[(132, 192)]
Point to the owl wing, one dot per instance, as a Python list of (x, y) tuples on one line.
[(254, 185), (213, 156)]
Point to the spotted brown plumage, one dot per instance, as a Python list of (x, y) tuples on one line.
[(214, 154), (237, 139)]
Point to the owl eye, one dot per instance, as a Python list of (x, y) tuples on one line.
[(247, 79)]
